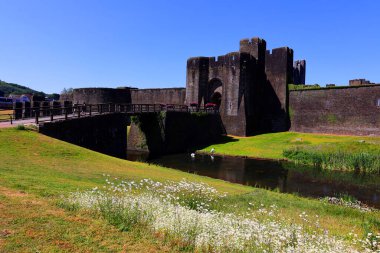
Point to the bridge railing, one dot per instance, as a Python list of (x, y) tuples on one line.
[(6, 115), (58, 111)]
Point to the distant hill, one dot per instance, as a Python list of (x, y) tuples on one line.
[(11, 88)]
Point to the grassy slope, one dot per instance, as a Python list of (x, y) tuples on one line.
[(31, 224), (44, 168), (272, 145)]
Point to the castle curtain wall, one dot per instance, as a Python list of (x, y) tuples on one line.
[(101, 95), (351, 111), (159, 96)]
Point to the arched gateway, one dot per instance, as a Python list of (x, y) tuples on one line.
[(215, 91)]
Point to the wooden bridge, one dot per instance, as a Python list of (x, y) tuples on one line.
[(57, 112)]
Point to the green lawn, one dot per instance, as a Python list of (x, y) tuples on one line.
[(271, 146), (35, 170)]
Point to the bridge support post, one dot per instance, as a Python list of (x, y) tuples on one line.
[(37, 114), (51, 113)]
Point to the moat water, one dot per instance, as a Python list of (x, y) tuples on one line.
[(284, 177)]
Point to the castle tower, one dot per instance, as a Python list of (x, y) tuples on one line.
[(249, 86), (279, 73), (256, 47), (299, 72), (227, 81), (196, 79)]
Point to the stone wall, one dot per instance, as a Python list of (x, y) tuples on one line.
[(173, 132), (129, 95), (159, 96), (351, 110), (102, 95), (103, 133)]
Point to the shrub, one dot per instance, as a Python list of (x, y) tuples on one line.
[(20, 127)]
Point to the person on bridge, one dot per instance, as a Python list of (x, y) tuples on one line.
[(84, 108)]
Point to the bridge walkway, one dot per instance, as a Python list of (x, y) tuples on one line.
[(37, 115)]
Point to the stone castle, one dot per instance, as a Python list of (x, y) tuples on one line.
[(250, 89), (249, 86)]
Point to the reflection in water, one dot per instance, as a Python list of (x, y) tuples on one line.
[(282, 176)]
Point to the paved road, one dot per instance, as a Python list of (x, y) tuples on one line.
[(32, 121), (17, 122)]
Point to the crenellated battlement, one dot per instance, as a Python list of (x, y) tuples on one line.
[(252, 41), (255, 46), (279, 51), (232, 58), (196, 62)]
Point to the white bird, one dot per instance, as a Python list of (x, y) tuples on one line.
[(192, 155), (212, 150)]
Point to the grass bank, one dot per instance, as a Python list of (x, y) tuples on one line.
[(36, 170), (273, 145)]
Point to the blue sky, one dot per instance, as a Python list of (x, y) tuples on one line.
[(52, 44)]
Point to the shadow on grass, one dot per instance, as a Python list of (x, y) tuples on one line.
[(221, 140)]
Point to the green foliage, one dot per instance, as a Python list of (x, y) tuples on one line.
[(67, 91), (71, 207), (54, 96), (291, 113), (303, 87), (329, 158), (199, 114), (161, 115), (331, 118), (119, 216), (16, 89), (295, 87), (20, 127), (347, 197), (135, 119)]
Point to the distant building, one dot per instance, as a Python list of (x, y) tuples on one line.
[(21, 98), (358, 82)]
